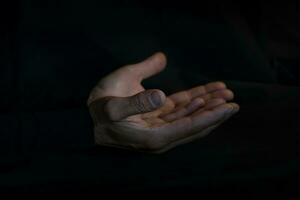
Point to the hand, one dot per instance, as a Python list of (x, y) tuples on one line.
[(127, 116)]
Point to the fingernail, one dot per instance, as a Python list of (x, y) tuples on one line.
[(155, 99), (233, 111), (230, 111)]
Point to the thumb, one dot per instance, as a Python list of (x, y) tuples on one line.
[(150, 66), (118, 108)]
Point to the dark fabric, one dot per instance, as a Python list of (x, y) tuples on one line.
[(54, 52)]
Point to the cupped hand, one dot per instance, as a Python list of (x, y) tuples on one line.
[(126, 115)]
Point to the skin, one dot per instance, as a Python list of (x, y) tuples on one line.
[(128, 116)]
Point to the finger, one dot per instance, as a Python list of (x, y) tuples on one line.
[(186, 96), (190, 125), (210, 105), (188, 109), (118, 108), (208, 88), (149, 67), (196, 136), (225, 94), (193, 109), (208, 118)]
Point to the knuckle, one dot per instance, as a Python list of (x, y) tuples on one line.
[(141, 104)]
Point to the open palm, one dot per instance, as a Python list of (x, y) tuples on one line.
[(128, 116)]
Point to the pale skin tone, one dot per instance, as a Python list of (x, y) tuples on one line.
[(125, 115)]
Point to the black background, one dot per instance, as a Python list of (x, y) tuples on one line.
[(53, 52)]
